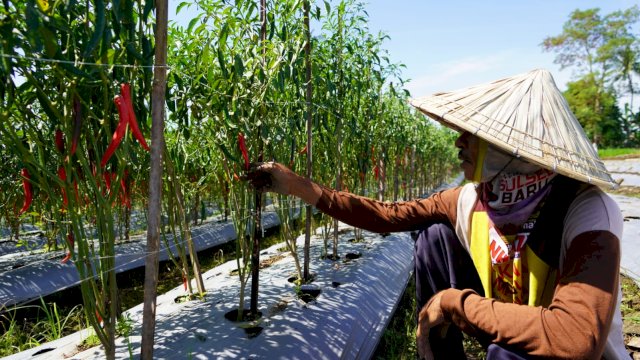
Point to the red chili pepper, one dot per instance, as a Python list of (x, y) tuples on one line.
[(62, 174), (125, 90), (121, 129), (184, 282), (77, 123), (70, 241), (303, 151), (243, 150), (236, 177), (376, 172), (98, 316), (59, 140), (28, 190)]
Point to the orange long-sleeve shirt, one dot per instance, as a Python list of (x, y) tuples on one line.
[(578, 322)]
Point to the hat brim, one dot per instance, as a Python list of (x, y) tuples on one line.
[(546, 134)]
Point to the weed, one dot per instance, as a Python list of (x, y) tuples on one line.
[(54, 326), (89, 342), (33, 330)]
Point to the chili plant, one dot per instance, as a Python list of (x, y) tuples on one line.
[(58, 119)]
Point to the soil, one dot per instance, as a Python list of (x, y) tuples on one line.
[(271, 260), (353, 256), (330, 257), (294, 279), (246, 315), (309, 293)]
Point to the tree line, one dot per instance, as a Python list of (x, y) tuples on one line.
[(603, 50)]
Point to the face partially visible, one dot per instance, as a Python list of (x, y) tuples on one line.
[(468, 154)]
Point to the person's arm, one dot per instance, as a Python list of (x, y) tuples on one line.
[(381, 216), (357, 210), (576, 323)]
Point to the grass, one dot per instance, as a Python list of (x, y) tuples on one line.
[(630, 308), (618, 153), (398, 340), (24, 327)]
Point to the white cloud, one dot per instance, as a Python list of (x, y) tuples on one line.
[(453, 75), (479, 69)]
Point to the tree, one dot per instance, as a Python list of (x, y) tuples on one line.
[(603, 51), (596, 110)]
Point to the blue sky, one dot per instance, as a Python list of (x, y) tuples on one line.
[(449, 44)]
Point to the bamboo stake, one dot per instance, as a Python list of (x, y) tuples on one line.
[(340, 97), (257, 228), (308, 96), (155, 181)]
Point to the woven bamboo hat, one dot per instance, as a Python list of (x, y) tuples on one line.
[(527, 116)]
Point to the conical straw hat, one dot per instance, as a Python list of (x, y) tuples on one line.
[(527, 116)]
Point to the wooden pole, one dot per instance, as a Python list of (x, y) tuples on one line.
[(339, 105), (308, 96), (155, 181), (257, 228)]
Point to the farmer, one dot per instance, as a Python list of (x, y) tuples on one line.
[(525, 257)]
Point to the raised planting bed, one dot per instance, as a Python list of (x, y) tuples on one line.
[(28, 275), (341, 314)]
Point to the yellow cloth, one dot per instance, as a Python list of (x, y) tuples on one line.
[(509, 270)]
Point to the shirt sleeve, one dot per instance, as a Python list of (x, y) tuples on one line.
[(378, 216), (576, 323)]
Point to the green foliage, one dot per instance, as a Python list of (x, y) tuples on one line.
[(597, 111), (53, 325), (223, 81), (603, 49), (56, 94), (49, 323), (618, 152)]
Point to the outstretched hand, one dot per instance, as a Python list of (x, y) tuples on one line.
[(271, 177)]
